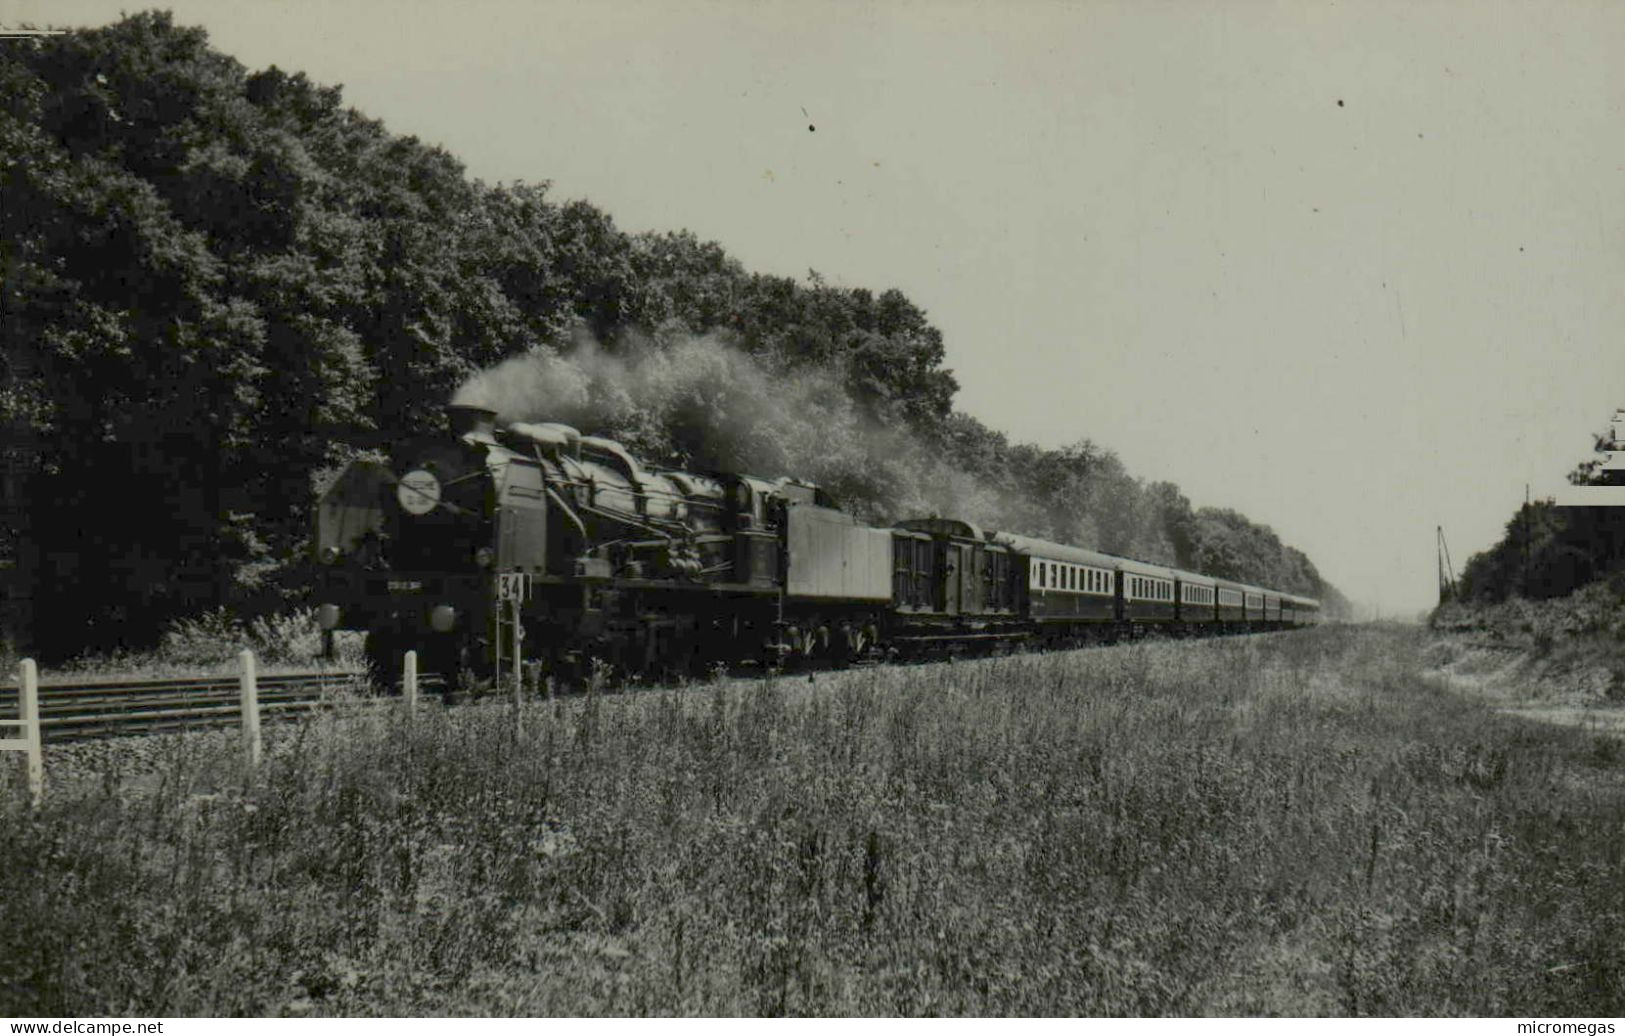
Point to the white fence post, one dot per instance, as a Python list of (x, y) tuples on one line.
[(29, 700), (29, 720), (409, 683), (250, 709)]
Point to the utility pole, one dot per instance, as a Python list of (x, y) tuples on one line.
[(1526, 535), (1447, 571)]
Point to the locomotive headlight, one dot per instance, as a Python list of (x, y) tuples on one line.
[(331, 556), (327, 616), (484, 556), (443, 618)]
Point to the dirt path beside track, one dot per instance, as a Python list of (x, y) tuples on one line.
[(1579, 684)]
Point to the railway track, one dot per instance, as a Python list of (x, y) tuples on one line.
[(105, 708), (95, 709)]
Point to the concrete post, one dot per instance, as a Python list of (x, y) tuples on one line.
[(249, 688), (409, 683)]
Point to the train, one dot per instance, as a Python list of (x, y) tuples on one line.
[(504, 545)]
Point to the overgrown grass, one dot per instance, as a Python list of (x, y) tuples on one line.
[(1295, 824)]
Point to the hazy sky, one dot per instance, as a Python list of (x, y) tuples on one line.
[(1355, 269)]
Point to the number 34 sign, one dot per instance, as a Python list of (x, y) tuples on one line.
[(513, 586)]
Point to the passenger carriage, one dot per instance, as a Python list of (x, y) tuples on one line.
[(1148, 593), (1069, 590), (1230, 602), (1197, 598)]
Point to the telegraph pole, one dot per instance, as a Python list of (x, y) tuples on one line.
[(1526, 535), (1447, 571)]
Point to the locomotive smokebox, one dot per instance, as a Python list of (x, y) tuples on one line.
[(472, 420)]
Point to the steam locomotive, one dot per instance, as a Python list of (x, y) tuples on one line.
[(533, 543)]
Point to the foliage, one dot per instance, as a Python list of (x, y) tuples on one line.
[(1286, 825), (1547, 551), (214, 637), (1595, 611)]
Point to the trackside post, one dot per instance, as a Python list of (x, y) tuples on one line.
[(409, 683), (29, 720), (250, 708)]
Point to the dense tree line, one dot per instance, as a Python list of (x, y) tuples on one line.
[(219, 284), (1550, 551)]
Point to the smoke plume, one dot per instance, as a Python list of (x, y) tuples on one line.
[(699, 402)]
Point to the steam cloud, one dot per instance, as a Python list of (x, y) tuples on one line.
[(699, 402)]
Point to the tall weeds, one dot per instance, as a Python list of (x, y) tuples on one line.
[(1295, 825)]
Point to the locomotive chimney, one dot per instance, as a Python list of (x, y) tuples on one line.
[(472, 420)]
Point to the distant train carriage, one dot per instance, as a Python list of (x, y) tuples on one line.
[(1066, 585), (1231, 601), (1197, 598), (1303, 611), (1252, 598), (1272, 607), (1148, 594)]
